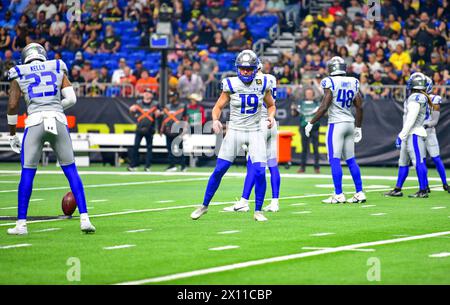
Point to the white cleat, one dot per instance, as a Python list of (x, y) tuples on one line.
[(18, 230), (240, 206), (259, 216), (272, 207), (359, 197), (199, 212), (335, 199), (87, 227)]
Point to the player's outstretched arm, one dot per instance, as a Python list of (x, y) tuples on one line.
[(13, 110), (435, 114), (271, 109), (223, 100), (359, 116), (68, 93), (326, 103)]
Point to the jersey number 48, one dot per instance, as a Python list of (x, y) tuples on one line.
[(345, 97)]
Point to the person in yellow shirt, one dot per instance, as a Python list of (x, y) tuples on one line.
[(399, 58), (325, 17)]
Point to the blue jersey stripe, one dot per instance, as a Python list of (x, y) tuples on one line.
[(18, 71), (332, 83), (264, 85), (229, 85), (58, 66), (330, 141)]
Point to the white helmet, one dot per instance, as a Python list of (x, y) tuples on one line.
[(429, 85), (33, 51), (336, 66), (417, 81)]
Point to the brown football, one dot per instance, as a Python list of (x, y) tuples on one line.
[(68, 204)]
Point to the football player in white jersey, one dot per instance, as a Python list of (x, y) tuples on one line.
[(42, 82), (246, 94), (341, 92), (272, 163), (431, 143)]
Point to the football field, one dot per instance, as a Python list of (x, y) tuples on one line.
[(145, 234)]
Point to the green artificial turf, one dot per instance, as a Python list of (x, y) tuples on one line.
[(173, 243)]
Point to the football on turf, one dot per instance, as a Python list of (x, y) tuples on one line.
[(68, 204)]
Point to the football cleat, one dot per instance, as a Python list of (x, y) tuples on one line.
[(131, 169), (240, 206), (172, 169), (259, 216), (428, 189), (359, 197), (394, 193), (87, 227), (419, 194), (272, 207), (18, 230), (199, 212), (446, 188), (335, 199)]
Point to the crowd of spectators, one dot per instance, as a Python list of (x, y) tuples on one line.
[(410, 35)]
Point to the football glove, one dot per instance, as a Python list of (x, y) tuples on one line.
[(308, 129), (15, 144), (398, 143), (217, 126), (358, 134)]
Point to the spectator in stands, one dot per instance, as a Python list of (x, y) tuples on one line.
[(287, 77), (243, 29), (195, 113), (389, 75), (379, 92), (216, 9), (257, 7), (226, 30), (8, 63), (336, 7), (31, 10), (94, 23), (20, 41), (119, 72), (57, 30), (399, 58), (358, 65), (380, 56), (172, 126), (146, 82), (425, 31), (113, 11), (306, 110), (189, 34), (207, 29), (208, 67), (435, 65), (128, 82), (8, 23), (93, 88), (79, 59), (72, 40), (373, 64), (190, 83), (43, 24), (236, 11), (276, 7), (86, 70), (48, 8), (352, 47), (145, 111), (75, 76), (5, 39), (138, 69), (24, 23), (111, 43), (325, 17), (104, 77), (218, 45), (91, 45), (90, 5)]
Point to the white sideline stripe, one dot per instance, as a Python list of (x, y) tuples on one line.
[(229, 232), (118, 247), (138, 230), (298, 204), (15, 246), (322, 234), (47, 230), (368, 206), (126, 211), (223, 248), (322, 248), (400, 235), (10, 182), (263, 261), (438, 208), (36, 199), (98, 200), (207, 174), (443, 254), (378, 214), (165, 201), (302, 212), (8, 208), (109, 185)]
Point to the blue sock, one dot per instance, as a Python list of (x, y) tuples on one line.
[(403, 172), (275, 179), (249, 180), (25, 189), (426, 172), (440, 168), (260, 184), (214, 181), (76, 185), (421, 170), (336, 171), (356, 173)]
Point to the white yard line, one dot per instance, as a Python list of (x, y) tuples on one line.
[(322, 248), (443, 254), (378, 214), (15, 246), (98, 200), (229, 232), (9, 208), (10, 182), (302, 212), (47, 230), (224, 248), (368, 206), (438, 208), (36, 199), (298, 204), (165, 201), (118, 247), (322, 234), (264, 261), (138, 230)]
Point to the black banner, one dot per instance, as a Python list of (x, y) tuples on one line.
[(381, 125)]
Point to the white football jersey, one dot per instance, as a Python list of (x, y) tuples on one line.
[(246, 101), (435, 100), (422, 99), (273, 85), (40, 83), (344, 89)]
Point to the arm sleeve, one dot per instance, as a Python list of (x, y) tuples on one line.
[(64, 67), (12, 74), (413, 111), (434, 119), (70, 97), (327, 83), (225, 86)]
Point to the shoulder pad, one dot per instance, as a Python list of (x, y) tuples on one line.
[(227, 85), (436, 99), (13, 73), (327, 83), (418, 98)]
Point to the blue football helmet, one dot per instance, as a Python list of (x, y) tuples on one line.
[(247, 59), (429, 85), (417, 81)]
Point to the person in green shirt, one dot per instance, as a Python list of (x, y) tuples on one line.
[(306, 109)]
